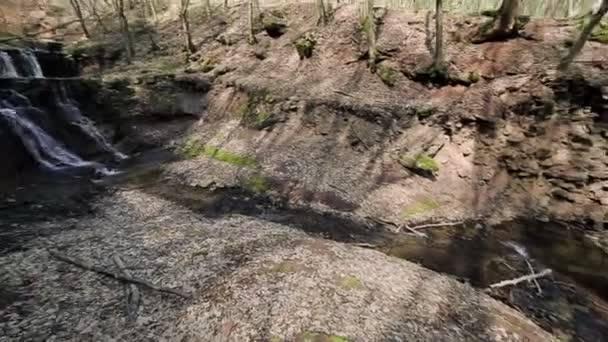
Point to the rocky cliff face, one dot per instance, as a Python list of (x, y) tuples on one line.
[(508, 136), (19, 16)]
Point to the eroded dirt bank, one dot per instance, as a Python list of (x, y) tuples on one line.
[(329, 143)]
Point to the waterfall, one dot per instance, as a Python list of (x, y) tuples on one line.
[(47, 151), (7, 68), (73, 116), (34, 69)]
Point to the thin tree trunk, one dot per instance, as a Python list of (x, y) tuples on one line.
[(252, 39), (98, 18), (124, 25), (153, 10), (183, 16), (321, 14), (78, 11), (506, 14), (584, 36), (225, 4), (371, 35), (438, 59)]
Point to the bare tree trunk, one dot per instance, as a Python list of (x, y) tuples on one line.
[(92, 6), (153, 10), (321, 13), (438, 58), (78, 11), (252, 39), (124, 26), (207, 8), (225, 4), (506, 14), (370, 23), (584, 36), (183, 17)]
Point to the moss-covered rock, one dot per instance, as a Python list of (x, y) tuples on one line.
[(305, 46), (259, 111), (421, 163), (256, 184), (434, 74), (194, 148), (387, 74)]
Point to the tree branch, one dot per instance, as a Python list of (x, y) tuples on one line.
[(87, 266)]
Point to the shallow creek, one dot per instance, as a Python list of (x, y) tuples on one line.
[(571, 302)]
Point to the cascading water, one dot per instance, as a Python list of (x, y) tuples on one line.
[(32, 65), (43, 131), (47, 151), (74, 117), (7, 67)]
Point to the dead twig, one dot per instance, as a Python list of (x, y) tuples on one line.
[(516, 281), (132, 292), (413, 231), (440, 224), (117, 276), (538, 288)]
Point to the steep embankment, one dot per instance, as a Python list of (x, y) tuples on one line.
[(510, 137)]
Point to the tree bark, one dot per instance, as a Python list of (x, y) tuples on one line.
[(371, 35), (584, 36), (252, 39), (506, 14), (78, 11), (321, 13), (183, 16), (438, 58)]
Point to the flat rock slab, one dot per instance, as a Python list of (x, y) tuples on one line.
[(251, 280)]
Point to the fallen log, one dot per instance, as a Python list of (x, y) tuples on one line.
[(87, 266)]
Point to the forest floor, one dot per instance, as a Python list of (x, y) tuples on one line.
[(295, 175)]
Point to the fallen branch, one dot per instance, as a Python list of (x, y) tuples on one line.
[(413, 231), (521, 279), (132, 291), (117, 276), (440, 224), (540, 289)]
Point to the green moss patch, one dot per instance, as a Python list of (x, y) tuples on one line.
[(420, 207), (257, 184), (600, 33), (258, 112), (433, 74), (312, 336), (387, 74), (285, 267), (305, 46), (421, 163), (426, 163), (194, 148), (350, 283)]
